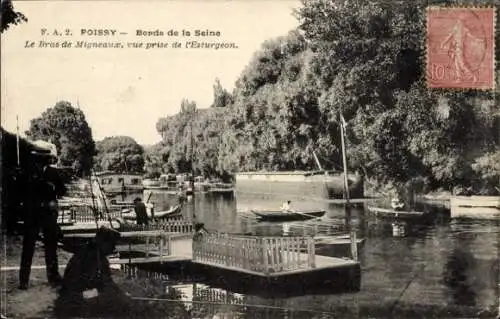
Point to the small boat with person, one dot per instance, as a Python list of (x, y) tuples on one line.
[(287, 215), (397, 204), (129, 214)]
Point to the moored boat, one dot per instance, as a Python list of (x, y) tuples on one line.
[(476, 207), (129, 214), (220, 188), (379, 211), (475, 201), (299, 184), (287, 215), (341, 240)]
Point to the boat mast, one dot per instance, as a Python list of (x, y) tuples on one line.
[(192, 153), (344, 160), (347, 207), (191, 182)]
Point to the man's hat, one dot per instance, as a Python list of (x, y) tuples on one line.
[(43, 148)]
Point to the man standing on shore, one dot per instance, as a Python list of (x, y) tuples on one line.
[(43, 187), (140, 212)]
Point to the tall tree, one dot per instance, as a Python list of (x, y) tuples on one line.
[(120, 154), (67, 128), (155, 160), (222, 97)]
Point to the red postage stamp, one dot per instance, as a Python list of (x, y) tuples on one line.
[(460, 47)]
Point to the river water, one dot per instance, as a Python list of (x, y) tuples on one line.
[(438, 267)]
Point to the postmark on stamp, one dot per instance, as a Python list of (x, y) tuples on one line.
[(460, 48)]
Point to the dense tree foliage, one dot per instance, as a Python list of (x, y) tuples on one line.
[(155, 160), (67, 128), (119, 154), (9, 16), (192, 136), (361, 59)]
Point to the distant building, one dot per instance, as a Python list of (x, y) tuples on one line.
[(113, 182)]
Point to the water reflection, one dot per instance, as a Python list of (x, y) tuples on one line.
[(431, 267), (457, 278)]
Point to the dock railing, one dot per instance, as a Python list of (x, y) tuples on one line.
[(154, 244), (259, 254), (82, 213), (182, 226), (85, 214), (140, 246)]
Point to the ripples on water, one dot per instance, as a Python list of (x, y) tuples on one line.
[(434, 268)]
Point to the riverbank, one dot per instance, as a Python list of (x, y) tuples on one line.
[(40, 299)]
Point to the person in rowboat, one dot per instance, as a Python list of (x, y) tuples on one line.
[(286, 206), (397, 204)]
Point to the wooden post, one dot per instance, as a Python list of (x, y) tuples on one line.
[(17, 142), (354, 245), (129, 258), (312, 253), (169, 245), (162, 238), (264, 255)]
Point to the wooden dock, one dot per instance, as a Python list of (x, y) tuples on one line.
[(244, 260), (251, 261)]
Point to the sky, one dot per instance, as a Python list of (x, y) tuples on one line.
[(125, 91)]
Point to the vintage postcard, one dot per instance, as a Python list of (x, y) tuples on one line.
[(250, 159)]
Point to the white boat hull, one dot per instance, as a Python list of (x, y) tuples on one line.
[(475, 201)]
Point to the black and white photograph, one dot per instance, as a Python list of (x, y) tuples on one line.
[(250, 159)]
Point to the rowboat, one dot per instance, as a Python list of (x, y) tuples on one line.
[(287, 215), (129, 214), (336, 240), (393, 212), (173, 211)]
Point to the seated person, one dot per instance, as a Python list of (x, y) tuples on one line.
[(87, 285), (397, 204), (286, 205)]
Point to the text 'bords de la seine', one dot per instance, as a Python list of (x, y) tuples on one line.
[(157, 32)]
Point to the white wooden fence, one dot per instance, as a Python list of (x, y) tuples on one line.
[(259, 254), (182, 226), (83, 213)]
